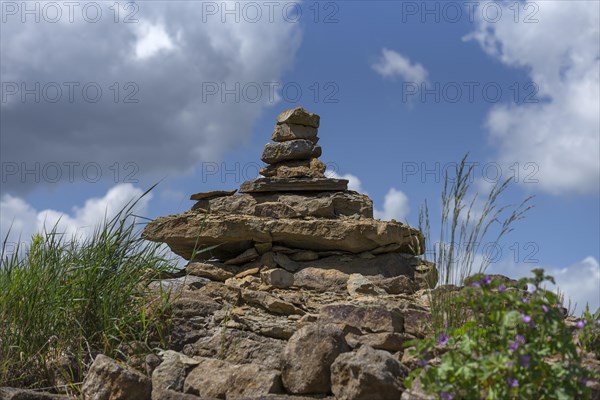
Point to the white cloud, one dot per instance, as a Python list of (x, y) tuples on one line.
[(353, 182), (169, 61), (395, 206), (560, 134), (392, 64), (81, 221), (580, 281), (152, 38)]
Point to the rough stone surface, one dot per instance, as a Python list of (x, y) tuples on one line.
[(284, 132), (391, 342), (211, 270), (367, 374), (278, 278), (322, 280), (109, 380), (219, 379), (312, 168), (171, 373), (358, 285), (293, 185), (299, 116), (237, 233), (211, 195), (308, 356), (7, 393), (299, 149), (369, 319), (176, 285)]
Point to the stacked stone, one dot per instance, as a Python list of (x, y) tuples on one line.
[(295, 151)]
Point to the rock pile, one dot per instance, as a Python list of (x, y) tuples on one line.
[(292, 292)]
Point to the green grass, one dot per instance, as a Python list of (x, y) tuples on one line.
[(77, 297), (466, 226)]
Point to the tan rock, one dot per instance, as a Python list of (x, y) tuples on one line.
[(298, 149), (322, 280), (308, 356), (270, 302), (284, 132), (387, 341), (299, 116), (313, 168), (304, 255), (358, 285), (277, 277), (262, 248), (109, 380), (237, 233), (211, 195), (368, 319), (293, 185), (211, 270), (248, 272), (367, 374)]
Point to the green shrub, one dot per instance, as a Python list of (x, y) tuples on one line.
[(78, 297), (515, 346)]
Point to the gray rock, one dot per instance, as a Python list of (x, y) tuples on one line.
[(321, 280), (171, 373), (368, 319), (219, 379), (284, 132), (299, 116), (304, 255), (313, 168), (278, 278), (308, 356), (161, 394), (293, 185), (243, 258), (215, 271), (269, 302), (8, 393), (175, 285), (358, 285), (367, 374), (387, 341), (285, 262), (211, 195), (299, 149), (109, 380)]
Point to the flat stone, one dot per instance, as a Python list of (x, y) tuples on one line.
[(175, 285), (358, 285), (321, 280), (269, 302), (299, 116), (262, 248), (236, 233), (293, 185), (304, 255), (9, 393), (369, 319), (326, 204), (212, 270), (246, 256), (110, 380), (387, 341), (298, 149), (212, 194), (313, 168), (285, 132)]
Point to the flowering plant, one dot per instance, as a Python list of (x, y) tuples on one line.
[(515, 346)]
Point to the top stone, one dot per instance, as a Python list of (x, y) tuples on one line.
[(299, 116)]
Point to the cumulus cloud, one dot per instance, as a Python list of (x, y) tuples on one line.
[(392, 64), (395, 202), (560, 132), (395, 206), (155, 75), (22, 220), (580, 281)]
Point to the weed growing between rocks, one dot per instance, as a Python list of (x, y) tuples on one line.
[(466, 227), (62, 301), (516, 346)]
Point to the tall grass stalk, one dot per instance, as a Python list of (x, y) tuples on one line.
[(76, 297), (464, 229)]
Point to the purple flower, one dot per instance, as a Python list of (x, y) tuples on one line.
[(544, 308), (422, 362), (580, 324), (526, 318), (525, 360), (513, 383), (501, 288), (476, 284), (446, 396), (442, 339), (486, 280), (520, 339), (525, 300)]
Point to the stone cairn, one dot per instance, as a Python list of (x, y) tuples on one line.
[(292, 290)]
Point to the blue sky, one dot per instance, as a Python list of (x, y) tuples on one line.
[(369, 63)]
